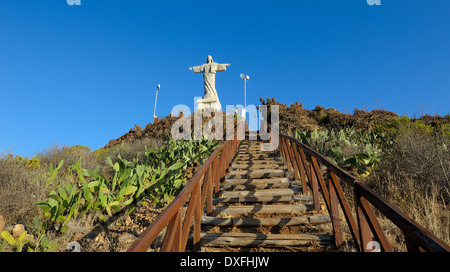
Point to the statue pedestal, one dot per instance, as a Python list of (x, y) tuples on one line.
[(209, 103)]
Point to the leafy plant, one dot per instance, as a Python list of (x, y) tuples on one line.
[(10, 239), (38, 240), (160, 177), (61, 205), (346, 147), (52, 173)]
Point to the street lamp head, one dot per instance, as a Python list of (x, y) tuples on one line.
[(159, 86), (245, 77)]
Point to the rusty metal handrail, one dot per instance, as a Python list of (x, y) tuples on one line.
[(197, 190), (366, 227)]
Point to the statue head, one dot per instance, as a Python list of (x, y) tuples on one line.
[(209, 59)]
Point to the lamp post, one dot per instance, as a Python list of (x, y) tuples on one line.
[(156, 98), (245, 78)]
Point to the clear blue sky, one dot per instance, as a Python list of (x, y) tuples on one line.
[(86, 74)]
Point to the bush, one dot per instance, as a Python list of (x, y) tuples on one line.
[(128, 150), (160, 177), (20, 187), (70, 154), (401, 125), (358, 151), (415, 177)]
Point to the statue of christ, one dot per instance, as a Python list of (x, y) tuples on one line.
[(209, 70)]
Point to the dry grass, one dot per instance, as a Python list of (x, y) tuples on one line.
[(132, 149), (415, 178), (20, 187)]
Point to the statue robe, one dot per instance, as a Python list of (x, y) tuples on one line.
[(209, 77)]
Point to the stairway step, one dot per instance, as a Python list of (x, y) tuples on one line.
[(256, 148), (245, 181), (250, 147), (256, 166), (264, 173), (259, 183), (260, 174), (254, 156), (272, 159), (260, 209), (257, 162), (244, 153), (262, 240), (247, 184), (269, 222), (263, 192), (268, 199), (254, 152), (268, 147)]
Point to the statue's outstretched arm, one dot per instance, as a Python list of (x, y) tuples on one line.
[(222, 67), (197, 69)]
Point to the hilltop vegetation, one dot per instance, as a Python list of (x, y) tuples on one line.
[(295, 117), (160, 129)]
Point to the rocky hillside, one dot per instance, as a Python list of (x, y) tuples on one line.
[(292, 117), (295, 117)]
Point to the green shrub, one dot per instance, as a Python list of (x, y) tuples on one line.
[(401, 125), (160, 177), (346, 147), (53, 154)]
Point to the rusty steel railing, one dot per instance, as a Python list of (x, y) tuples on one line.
[(306, 162), (198, 190)]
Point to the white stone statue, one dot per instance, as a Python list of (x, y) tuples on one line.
[(209, 69)]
